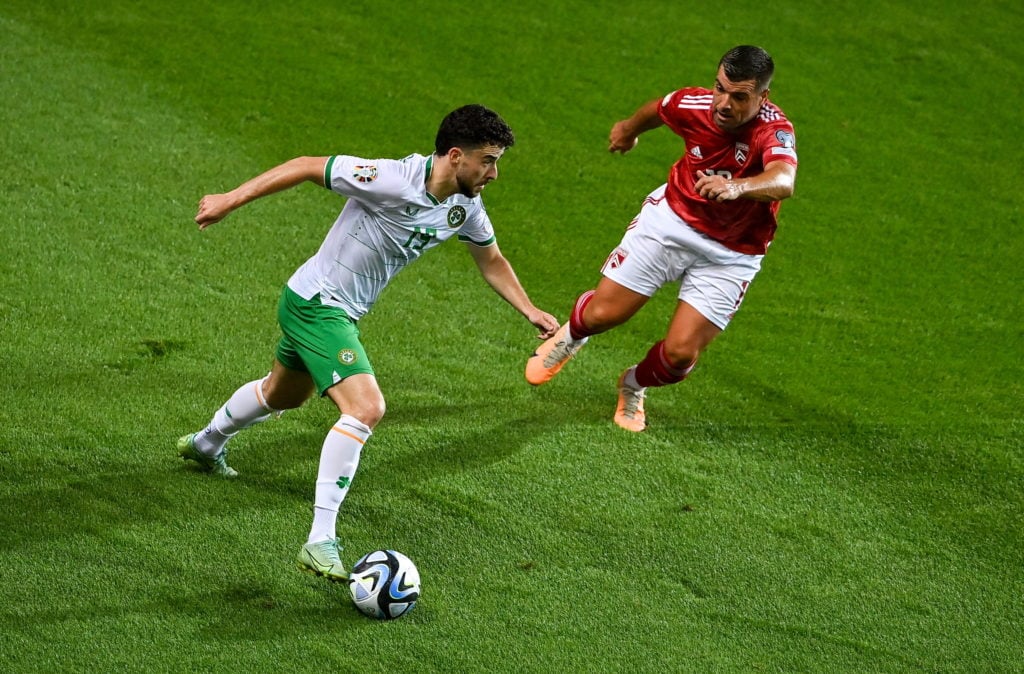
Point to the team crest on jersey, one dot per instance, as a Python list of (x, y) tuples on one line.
[(456, 216), (741, 152), (365, 174), (347, 356)]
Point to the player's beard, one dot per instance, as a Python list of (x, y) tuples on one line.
[(467, 189)]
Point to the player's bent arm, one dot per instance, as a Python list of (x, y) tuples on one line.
[(775, 183), (498, 273), (625, 134), (215, 207)]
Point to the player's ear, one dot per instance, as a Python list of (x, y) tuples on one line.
[(455, 154)]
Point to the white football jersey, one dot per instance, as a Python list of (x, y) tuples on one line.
[(387, 222)]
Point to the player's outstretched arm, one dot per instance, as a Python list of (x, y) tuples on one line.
[(498, 273), (215, 207), (626, 133)]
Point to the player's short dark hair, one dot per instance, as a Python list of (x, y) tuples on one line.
[(471, 127), (747, 62)]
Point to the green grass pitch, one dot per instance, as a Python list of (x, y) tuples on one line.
[(838, 488)]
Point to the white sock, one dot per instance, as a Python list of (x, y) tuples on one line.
[(571, 341), (630, 379), (339, 459), (245, 407)]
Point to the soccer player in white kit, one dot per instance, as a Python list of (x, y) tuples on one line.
[(707, 228), (396, 210)]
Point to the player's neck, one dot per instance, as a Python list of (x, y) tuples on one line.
[(440, 181)]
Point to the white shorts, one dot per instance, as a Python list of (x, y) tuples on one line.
[(660, 248)]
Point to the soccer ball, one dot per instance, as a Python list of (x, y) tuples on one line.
[(384, 584)]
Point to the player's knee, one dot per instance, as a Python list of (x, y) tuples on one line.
[(368, 411), (681, 355), (600, 316)]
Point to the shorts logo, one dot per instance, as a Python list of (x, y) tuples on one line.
[(456, 216), (347, 356), (616, 259), (365, 174)]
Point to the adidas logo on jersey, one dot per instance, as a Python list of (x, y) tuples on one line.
[(695, 151)]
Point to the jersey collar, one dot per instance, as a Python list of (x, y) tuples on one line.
[(430, 167)]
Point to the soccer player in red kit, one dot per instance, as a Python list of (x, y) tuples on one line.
[(707, 228)]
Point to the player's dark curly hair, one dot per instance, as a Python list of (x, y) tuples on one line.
[(747, 62), (471, 127)]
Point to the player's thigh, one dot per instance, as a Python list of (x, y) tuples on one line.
[(689, 333), (286, 388), (612, 305), (359, 396)]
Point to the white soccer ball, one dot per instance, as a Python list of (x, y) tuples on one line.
[(384, 584)]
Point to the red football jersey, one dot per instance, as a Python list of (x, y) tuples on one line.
[(744, 225)]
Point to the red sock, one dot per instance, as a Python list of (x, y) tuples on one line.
[(656, 370), (577, 329)]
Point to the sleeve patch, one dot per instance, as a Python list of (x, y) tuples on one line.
[(786, 151), (364, 174)]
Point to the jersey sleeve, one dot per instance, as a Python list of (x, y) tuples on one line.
[(778, 143), (677, 108), (382, 182), (478, 229)]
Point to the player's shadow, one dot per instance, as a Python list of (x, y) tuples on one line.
[(449, 447), (414, 443), (85, 506), (244, 609)]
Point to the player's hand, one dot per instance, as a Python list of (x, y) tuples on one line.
[(213, 208), (545, 322), (622, 139), (717, 188)]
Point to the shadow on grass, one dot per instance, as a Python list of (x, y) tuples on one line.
[(85, 506), (415, 442), (246, 609)]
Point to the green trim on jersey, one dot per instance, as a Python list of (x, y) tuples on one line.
[(426, 177), (482, 244), (327, 170)]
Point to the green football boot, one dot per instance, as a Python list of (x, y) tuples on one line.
[(321, 559), (217, 465)]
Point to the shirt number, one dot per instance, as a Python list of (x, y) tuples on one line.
[(420, 237)]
